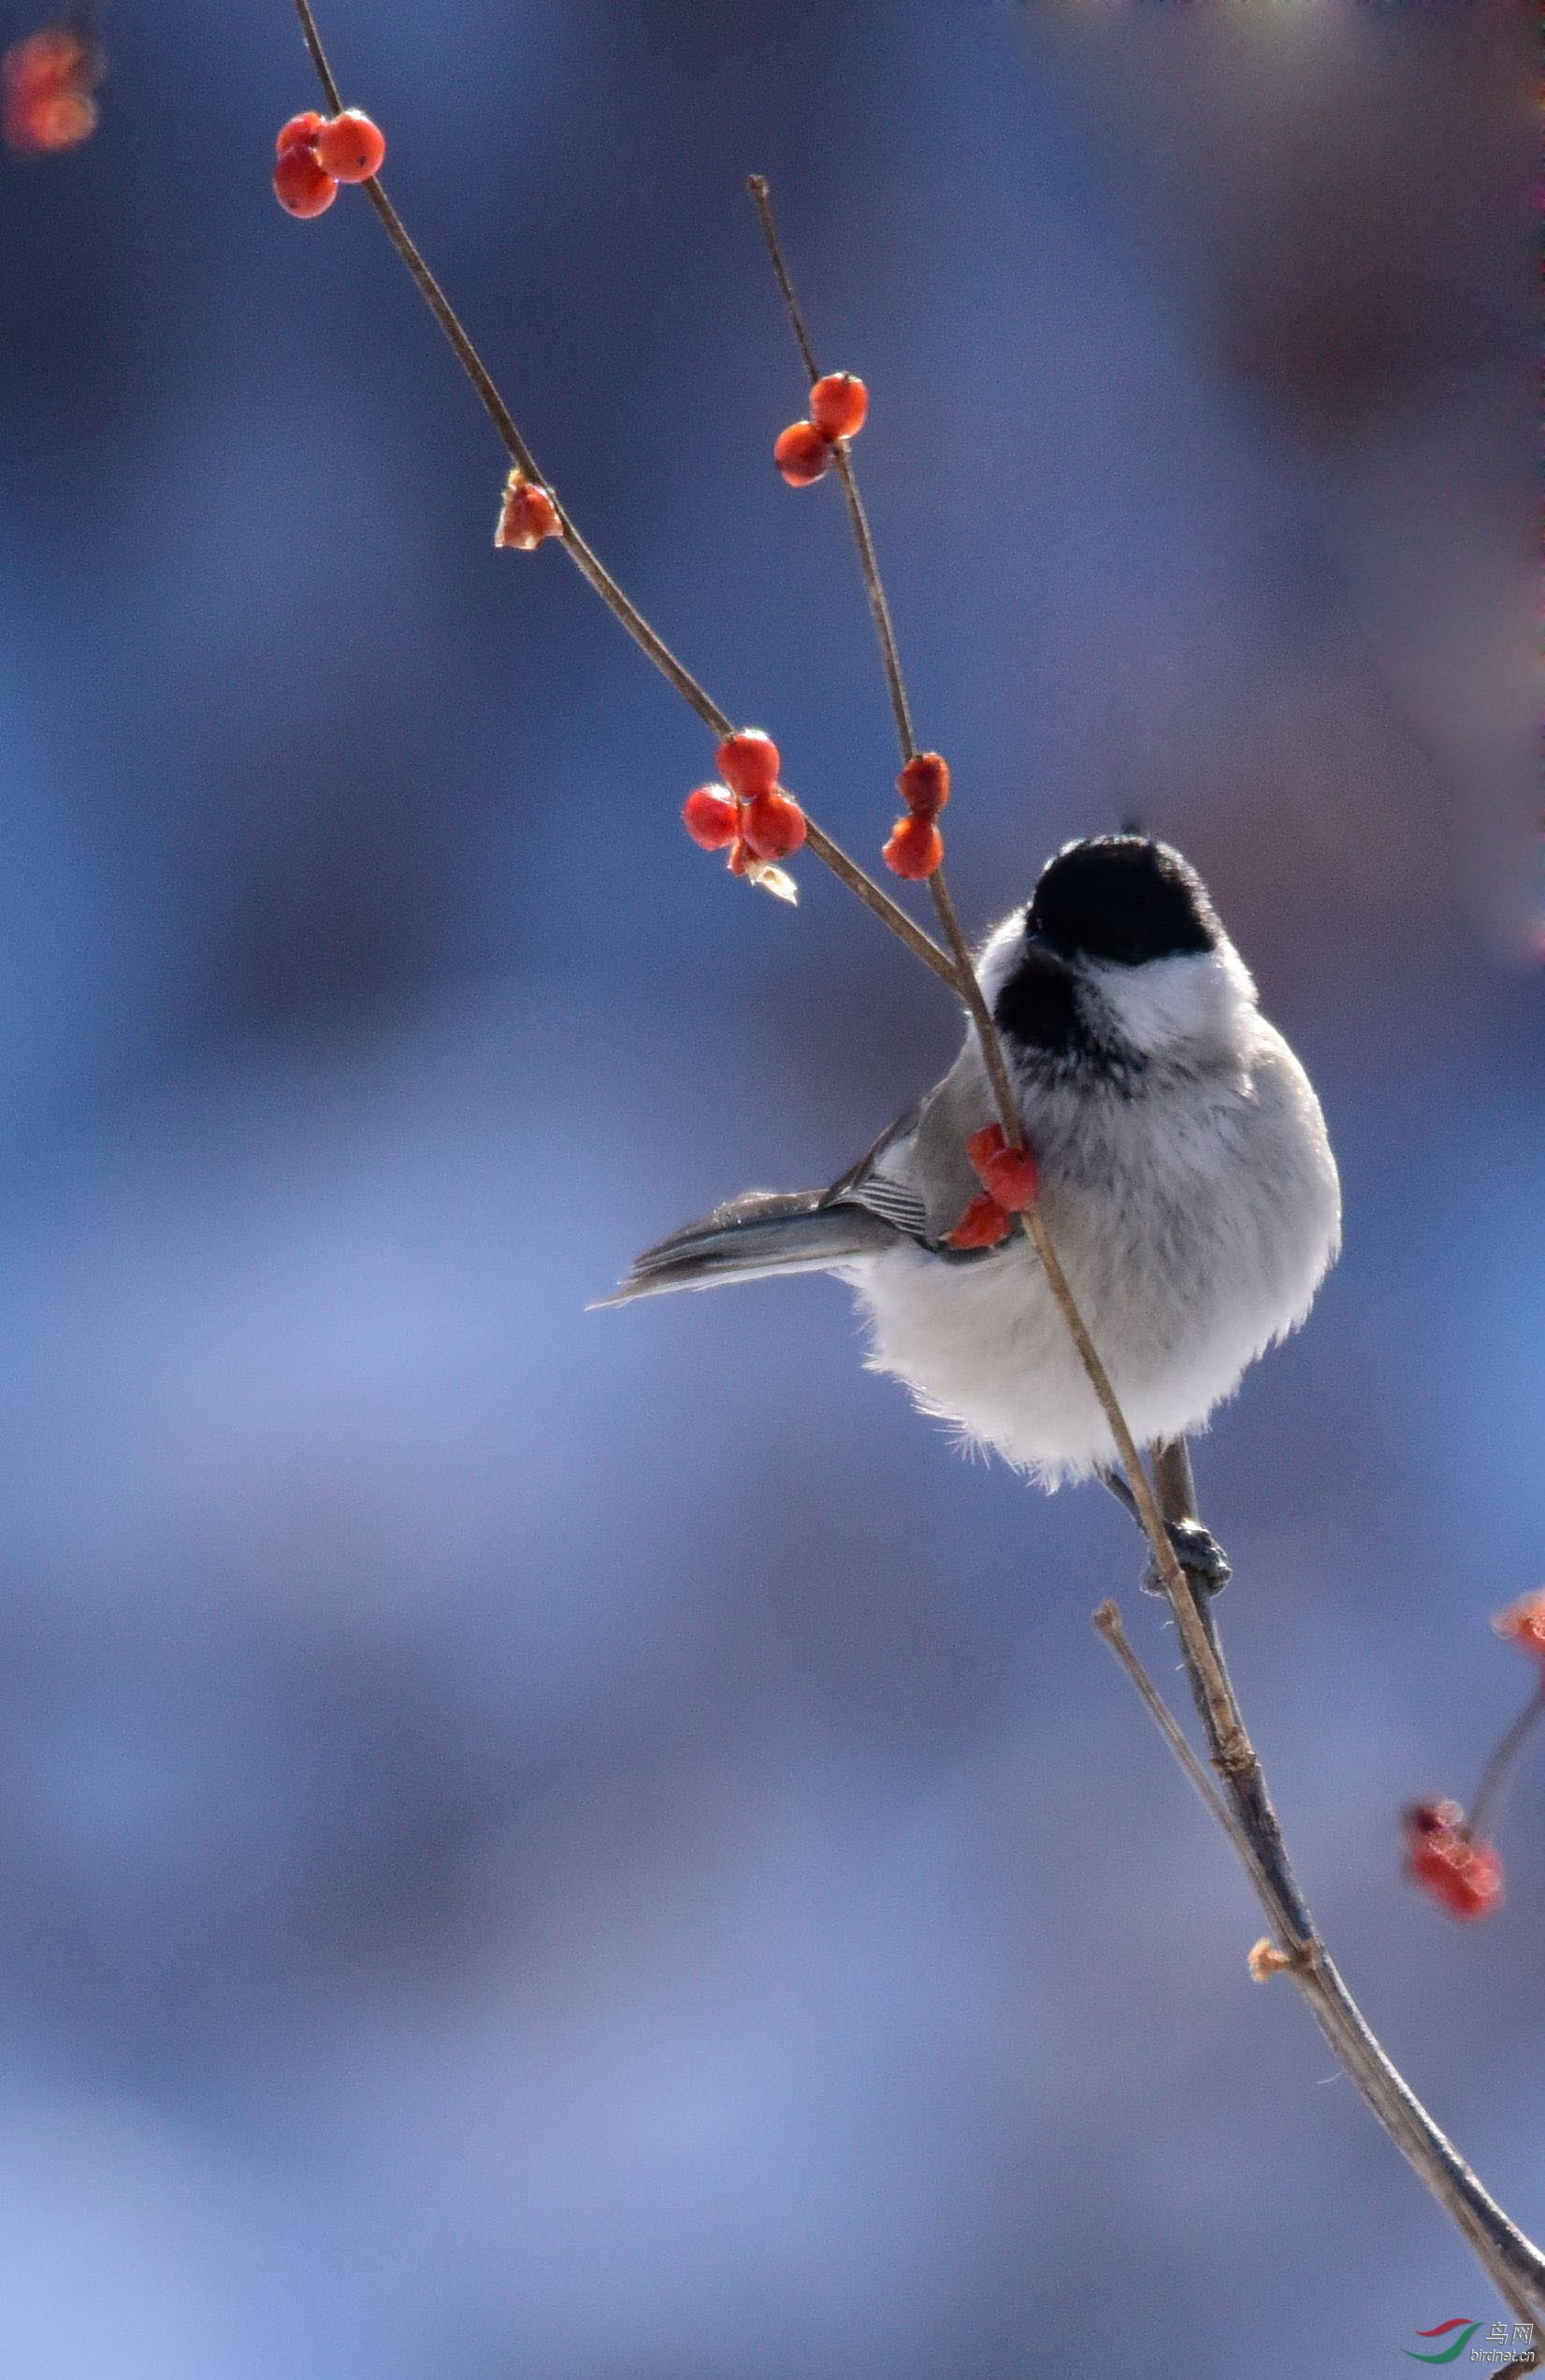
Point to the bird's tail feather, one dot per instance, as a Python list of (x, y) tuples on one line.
[(765, 1232)]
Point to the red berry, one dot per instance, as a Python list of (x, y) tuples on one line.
[(924, 783), (300, 133), (838, 403), (349, 147), (46, 83), (710, 816), (748, 762), (1524, 1624), (301, 186), (773, 825), (984, 1224), (1008, 1174), (915, 848), (51, 121), (526, 514), (1463, 1877), (801, 454)]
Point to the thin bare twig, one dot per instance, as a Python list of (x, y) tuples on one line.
[(1106, 1622), (1495, 1775), (841, 454), (1030, 1222), (1515, 2266)]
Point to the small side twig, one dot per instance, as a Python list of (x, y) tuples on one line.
[(761, 199), (1106, 1622), (586, 560), (1495, 1775), (1511, 2261)]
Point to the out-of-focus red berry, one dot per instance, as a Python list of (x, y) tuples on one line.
[(838, 403), (60, 120), (710, 816), (801, 454), (773, 825), (924, 783), (1463, 1877), (915, 848), (748, 762), (351, 147), (1524, 1624), (48, 79), (301, 186), (1008, 1174), (300, 133), (526, 514), (984, 1224)]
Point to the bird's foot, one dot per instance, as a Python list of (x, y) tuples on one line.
[(1199, 1557), (1196, 1549)]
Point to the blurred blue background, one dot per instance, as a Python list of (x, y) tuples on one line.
[(539, 1845)]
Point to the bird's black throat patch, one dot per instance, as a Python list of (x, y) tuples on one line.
[(1038, 1003)]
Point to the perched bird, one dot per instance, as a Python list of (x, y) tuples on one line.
[(1186, 1181)]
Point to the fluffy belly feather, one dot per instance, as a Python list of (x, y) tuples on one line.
[(1182, 1277)]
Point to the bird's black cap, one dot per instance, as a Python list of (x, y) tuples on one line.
[(1123, 898)]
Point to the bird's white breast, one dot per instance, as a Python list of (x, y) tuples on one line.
[(1194, 1221)]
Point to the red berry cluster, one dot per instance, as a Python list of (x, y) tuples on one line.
[(1463, 1877), (838, 404), (49, 80), (917, 847), (1442, 1854), (749, 814), (1524, 1624), (526, 514), (317, 152), (1010, 1182)]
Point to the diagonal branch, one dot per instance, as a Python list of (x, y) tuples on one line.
[(1246, 1812), (1030, 1222), (1247, 1815), (585, 558), (1515, 2266), (1243, 1807)]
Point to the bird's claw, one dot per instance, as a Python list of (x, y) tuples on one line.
[(1199, 1557)]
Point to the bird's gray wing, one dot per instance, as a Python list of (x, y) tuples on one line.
[(918, 1175), (881, 1181), (916, 1183)]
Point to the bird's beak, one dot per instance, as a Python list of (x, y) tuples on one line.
[(1040, 955)]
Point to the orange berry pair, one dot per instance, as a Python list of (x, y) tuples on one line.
[(917, 847), (526, 514), (749, 816), (984, 1224), (1010, 1182), (316, 152), (838, 403), (49, 77), (1463, 1877), (1008, 1174), (1524, 1624)]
